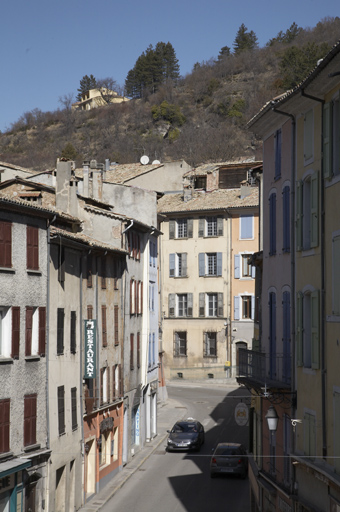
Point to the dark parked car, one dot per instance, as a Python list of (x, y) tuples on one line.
[(229, 458), (186, 435)]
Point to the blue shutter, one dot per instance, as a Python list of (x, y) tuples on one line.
[(219, 264), (252, 307), (314, 201), (327, 140), (201, 226), (201, 264), (286, 219), (172, 229), (236, 307), (237, 258)]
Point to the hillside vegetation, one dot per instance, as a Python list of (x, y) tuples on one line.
[(199, 118)]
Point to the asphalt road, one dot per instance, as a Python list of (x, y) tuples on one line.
[(180, 481)]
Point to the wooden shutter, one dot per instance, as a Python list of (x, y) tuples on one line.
[(5, 406), (114, 376), (32, 248), (286, 219), (103, 270), (190, 304), (201, 226), (219, 264), (132, 343), (336, 276), (30, 419), (101, 399), (5, 244), (108, 384), (237, 259), (190, 227), (42, 331), (299, 328), (74, 408), (172, 264), (89, 312), (201, 264), (28, 330), (15, 332), (327, 140), (138, 350), (299, 191), (60, 331), (172, 304), (141, 297), (121, 383), (202, 304), (89, 271), (314, 201), (315, 329), (272, 221), (61, 264), (73, 332), (220, 304), (104, 327), (61, 410), (132, 309), (184, 265), (172, 229), (116, 318)]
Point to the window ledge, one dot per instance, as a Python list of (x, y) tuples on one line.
[(6, 360), (32, 447), (33, 272), (32, 358), (6, 455), (8, 270), (307, 252), (333, 318)]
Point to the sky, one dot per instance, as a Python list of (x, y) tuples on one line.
[(48, 46)]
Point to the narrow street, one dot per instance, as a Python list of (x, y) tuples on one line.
[(180, 482)]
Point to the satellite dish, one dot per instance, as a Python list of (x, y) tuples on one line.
[(156, 162), (144, 160)]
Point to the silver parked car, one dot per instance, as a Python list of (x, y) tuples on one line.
[(229, 458)]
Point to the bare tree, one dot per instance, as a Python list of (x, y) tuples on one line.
[(107, 88)]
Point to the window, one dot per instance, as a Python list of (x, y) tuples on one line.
[(180, 344), (153, 254), (336, 275), (210, 226), (134, 245), (138, 349), (60, 331), (74, 408), (5, 407), (209, 344), (132, 347), (35, 335), (5, 244), (150, 356), (180, 305), (244, 306), (61, 409), (30, 419), (114, 447), (210, 264), (211, 304), (152, 297), (104, 385), (104, 327), (286, 218), (104, 448), (200, 182), (73, 332), (308, 329), (246, 227), (272, 224), (178, 264), (5, 330), (243, 267), (103, 270), (309, 429), (331, 139), (32, 248), (278, 143), (117, 382), (180, 228), (308, 141)]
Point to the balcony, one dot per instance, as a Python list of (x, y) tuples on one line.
[(259, 369)]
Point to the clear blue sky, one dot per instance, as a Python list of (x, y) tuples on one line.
[(48, 46)]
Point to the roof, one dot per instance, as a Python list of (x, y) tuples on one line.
[(9, 201), (204, 169), (85, 240), (332, 80), (5, 165), (220, 199), (122, 173)]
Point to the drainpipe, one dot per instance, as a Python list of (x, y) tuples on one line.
[(126, 229), (81, 348), (48, 329)]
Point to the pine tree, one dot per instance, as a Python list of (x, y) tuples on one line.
[(245, 40), (224, 52), (86, 83)]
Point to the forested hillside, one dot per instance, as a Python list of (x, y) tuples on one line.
[(200, 117)]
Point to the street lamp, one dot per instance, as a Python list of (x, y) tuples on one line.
[(272, 418)]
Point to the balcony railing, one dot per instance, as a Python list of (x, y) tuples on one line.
[(265, 369)]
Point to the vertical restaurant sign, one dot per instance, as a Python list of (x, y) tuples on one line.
[(90, 349)]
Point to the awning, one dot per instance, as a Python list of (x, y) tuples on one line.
[(13, 466)]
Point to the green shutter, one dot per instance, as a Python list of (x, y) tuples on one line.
[(327, 140), (299, 215), (315, 329), (314, 211), (336, 276), (299, 327)]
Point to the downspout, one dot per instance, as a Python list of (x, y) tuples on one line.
[(323, 302), (81, 386), (48, 329)]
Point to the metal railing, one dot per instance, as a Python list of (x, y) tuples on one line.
[(264, 368)]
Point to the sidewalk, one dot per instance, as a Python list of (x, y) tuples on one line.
[(168, 413)]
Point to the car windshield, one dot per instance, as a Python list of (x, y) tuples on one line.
[(185, 427), (227, 450)]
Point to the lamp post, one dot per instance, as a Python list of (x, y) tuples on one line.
[(272, 420)]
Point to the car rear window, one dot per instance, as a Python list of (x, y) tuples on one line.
[(185, 427), (227, 450)]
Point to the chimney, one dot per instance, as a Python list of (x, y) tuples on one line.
[(63, 186), (86, 164), (97, 182)]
